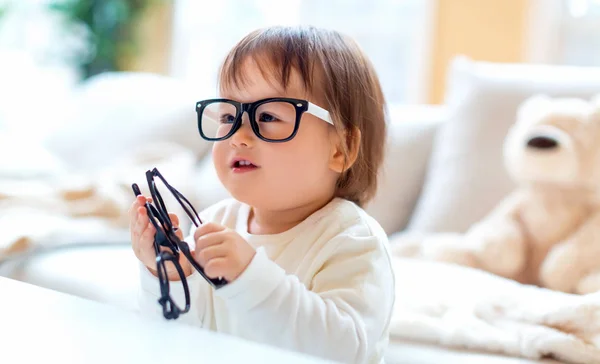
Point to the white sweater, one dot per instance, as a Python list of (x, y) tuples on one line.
[(324, 287)]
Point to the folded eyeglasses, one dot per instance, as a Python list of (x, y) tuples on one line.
[(165, 237)]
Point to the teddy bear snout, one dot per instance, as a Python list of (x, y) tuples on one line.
[(542, 142)]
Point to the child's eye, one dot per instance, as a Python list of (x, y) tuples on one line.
[(265, 117), (227, 119)]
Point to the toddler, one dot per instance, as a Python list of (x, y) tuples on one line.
[(299, 133)]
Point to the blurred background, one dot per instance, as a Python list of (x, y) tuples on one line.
[(95, 92), (49, 46), (89, 84)]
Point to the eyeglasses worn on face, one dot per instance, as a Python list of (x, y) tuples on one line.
[(165, 237), (273, 120)]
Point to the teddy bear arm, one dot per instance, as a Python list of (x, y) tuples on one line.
[(498, 242), (571, 261), (448, 248), (590, 283)]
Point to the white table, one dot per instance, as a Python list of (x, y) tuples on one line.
[(38, 325)]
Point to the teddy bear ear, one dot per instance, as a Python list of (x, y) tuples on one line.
[(533, 106)]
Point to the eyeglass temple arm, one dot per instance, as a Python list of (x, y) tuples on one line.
[(193, 215), (170, 309), (161, 208), (319, 112)]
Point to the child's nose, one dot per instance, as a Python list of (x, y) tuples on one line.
[(244, 136)]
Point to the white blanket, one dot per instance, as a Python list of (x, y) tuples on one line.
[(465, 308), (70, 206)]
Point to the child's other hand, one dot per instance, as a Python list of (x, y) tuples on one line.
[(222, 252), (142, 239)]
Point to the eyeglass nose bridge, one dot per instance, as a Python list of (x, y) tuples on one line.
[(248, 109)]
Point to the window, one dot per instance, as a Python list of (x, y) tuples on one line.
[(565, 32), (37, 50), (36, 74), (580, 30)]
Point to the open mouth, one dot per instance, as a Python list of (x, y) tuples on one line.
[(243, 165)]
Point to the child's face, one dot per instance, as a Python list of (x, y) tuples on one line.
[(287, 175)]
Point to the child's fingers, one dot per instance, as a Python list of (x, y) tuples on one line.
[(133, 211), (144, 246), (216, 268), (210, 239), (142, 199), (207, 229), (134, 221), (139, 201), (147, 235), (175, 221), (203, 256), (141, 214), (142, 221)]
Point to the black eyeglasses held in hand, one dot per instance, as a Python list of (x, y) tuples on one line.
[(165, 237)]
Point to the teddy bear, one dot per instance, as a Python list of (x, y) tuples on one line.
[(547, 231)]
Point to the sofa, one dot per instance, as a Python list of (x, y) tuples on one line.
[(442, 172)]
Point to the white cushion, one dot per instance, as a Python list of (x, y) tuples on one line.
[(411, 131), (115, 112), (466, 176), (22, 157)]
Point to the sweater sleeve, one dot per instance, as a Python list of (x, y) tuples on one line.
[(344, 314)]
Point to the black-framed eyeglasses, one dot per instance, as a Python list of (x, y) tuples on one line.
[(166, 237), (272, 120)]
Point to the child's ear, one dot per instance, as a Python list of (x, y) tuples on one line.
[(339, 162)]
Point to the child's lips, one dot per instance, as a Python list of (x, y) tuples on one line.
[(240, 165), (244, 169)]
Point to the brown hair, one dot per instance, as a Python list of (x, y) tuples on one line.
[(339, 76)]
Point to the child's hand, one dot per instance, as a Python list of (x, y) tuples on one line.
[(142, 239), (222, 252)]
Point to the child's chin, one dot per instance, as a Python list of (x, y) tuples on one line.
[(256, 199), (243, 194)]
